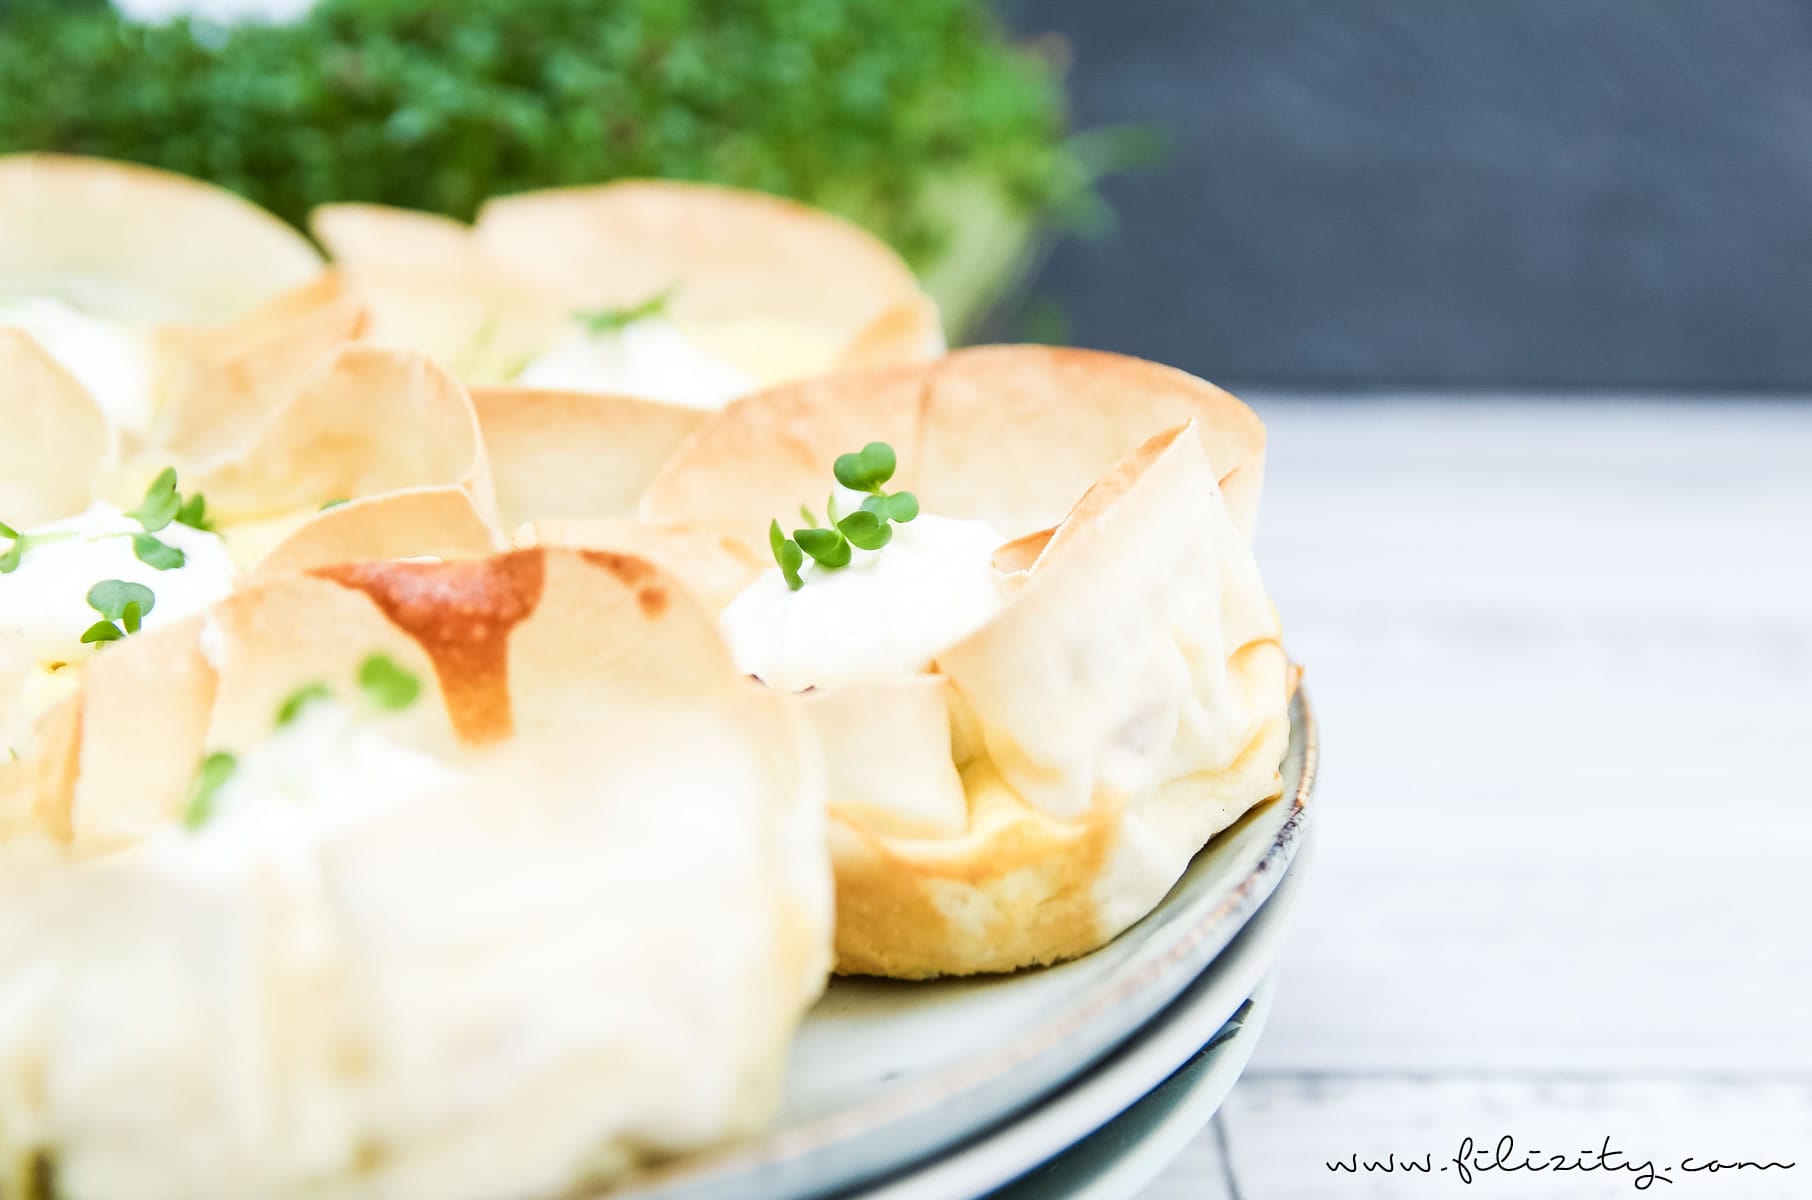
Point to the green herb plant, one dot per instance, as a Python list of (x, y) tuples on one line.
[(868, 528), (870, 110)]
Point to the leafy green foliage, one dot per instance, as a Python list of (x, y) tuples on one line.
[(860, 108)]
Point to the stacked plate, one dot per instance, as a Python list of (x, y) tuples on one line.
[(1080, 1079)]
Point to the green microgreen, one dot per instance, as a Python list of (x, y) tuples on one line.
[(194, 513), (111, 597), (121, 601), (787, 554), (214, 771), (828, 547), (335, 502), (865, 470), (15, 553), (154, 553), (386, 684), (102, 631), (600, 321), (162, 504), (868, 528), (301, 698)]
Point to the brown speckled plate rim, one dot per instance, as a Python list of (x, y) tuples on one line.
[(790, 1147)]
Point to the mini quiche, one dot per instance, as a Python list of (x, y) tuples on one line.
[(600, 324), (490, 878), (1015, 592)]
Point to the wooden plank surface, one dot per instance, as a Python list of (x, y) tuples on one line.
[(1562, 652)]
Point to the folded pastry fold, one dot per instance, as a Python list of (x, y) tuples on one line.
[(1047, 778), (553, 916), (137, 243), (388, 440)]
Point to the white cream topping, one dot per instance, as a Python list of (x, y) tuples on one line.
[(111, 359), (325, 771), (649, 358), (887, 614), (44, 602)]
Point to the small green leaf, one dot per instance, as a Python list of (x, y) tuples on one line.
[(806, 513), (131, 616), (161, 503), (101, 631), (214, 771), (902, 506), (791, 558), (866, 530), (334, 503), (8, 531), (194, 513), (110, 597), (601, 321), (826, 546), (851, 471), (387, 685), (299, 699), (867, 469), (154, 553), (776, 539), (880, 462)]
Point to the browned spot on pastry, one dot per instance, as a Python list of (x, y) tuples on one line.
[(461, 614), (632, 571)]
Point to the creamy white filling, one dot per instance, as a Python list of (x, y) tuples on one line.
[(112, 360), (649, 358), (44, 602), (886, 615), (324, 772)]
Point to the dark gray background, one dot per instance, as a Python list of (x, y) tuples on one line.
[(1568, 193)]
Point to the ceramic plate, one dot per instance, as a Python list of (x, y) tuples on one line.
[(1124, 1157), (886, 1074), (1106, 1097)]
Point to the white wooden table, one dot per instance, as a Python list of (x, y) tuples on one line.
[(1562, 652)]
